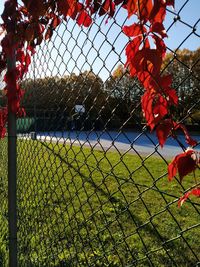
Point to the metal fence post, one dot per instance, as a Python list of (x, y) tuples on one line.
[(12, 179)]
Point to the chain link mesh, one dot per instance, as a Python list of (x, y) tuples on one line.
[(3, 204), (92, 180)]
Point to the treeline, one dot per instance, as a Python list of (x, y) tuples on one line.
[(109, 104), (52, 101)]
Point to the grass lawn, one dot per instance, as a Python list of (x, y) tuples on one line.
[(84, 207)]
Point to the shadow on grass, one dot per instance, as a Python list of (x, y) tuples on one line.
[(148, 227)]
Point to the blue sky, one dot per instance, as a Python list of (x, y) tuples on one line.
[(74, 49)]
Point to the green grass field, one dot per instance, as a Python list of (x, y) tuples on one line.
[(83, 207)]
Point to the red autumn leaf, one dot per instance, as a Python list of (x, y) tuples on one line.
[(75, 9), (147, 108), (63, 7), (107, 7), (131, 50), (160, 16), (134, 30), (195, 192), (186, 164), (29, 33), (84, 19), (21, 112), (172, 169), (166, 81), (163, 130), (118, 2), (9, 9), (147, 59), (144, 77), (162, 84), (55, 22), (11, 80), (68, 8), (158, 27), (131, 7), (39, 28), (15, 105), (36, 8), (27, 60), (23, 10), (20, 56), (3, 120), (112, 9), (96, 5), (183, 163), (171, 95), (104, 7), (170, 3), (190, 141), (160, 107), (31, 49), (154, 108), (158, 11), (88, 3), (140, 7), (2, 132), (8, 44), (144, 9), (160, 45), (48, 33)]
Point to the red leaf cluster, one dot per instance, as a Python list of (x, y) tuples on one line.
[(145, 62)]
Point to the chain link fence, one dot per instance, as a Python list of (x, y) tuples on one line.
[(92, 180), (3, 203)]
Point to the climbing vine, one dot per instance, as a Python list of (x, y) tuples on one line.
[(26, 26)]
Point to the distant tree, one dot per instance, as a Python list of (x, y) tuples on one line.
[(56, 97), (127, 92), (62, 93), (122, 86), (184, 65)]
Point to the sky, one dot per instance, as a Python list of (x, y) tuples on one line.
[(101, 47)]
